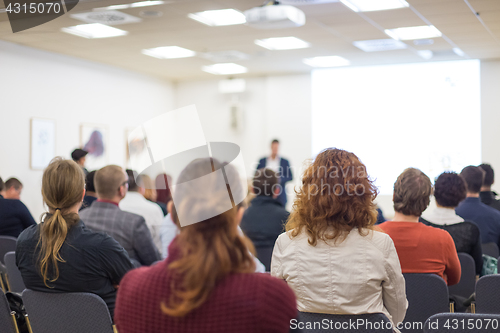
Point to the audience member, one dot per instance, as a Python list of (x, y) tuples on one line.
[(90, 193), (162, 185), (135, 202), (449, 190), (280, 165), (472, 209), (264, 220), (150, 192), (61, 254), (330, 244), (206, 284), (12, 189), (421, 249), (104, 215), (79, 156), (488, 197), (14, 215)]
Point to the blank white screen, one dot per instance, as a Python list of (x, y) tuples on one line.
[(392, 117)]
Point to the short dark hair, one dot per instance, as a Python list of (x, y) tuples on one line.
[(132, 183), (1, 184), (473, 177), (264, 182), (489, 174), (449, 189), (89, 181), (13, 182), (275, 141), (412, 191)]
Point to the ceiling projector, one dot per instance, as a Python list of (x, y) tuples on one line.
[(275, 17)]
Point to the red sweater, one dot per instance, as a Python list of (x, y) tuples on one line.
[(424, 249), (240, 303)]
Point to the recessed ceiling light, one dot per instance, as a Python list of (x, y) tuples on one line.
[(328, 61), (458, 52), (169, 52), (224, 69), (373, 5), (426, 54), (375, 45), (282, 43), (425, 31), (94, 30), (132, 5), (219, 17)]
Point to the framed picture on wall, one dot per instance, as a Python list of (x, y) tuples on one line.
[(94, 138), (42, 142), (137, 155)]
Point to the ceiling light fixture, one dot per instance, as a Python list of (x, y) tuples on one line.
[(282, 43), (421, 32), (372, 5), (221, 17), (376, 45), (133, 5), (458, 51), (169, 52), (327, 61), (225, 69), (94, 30), (426, 54)]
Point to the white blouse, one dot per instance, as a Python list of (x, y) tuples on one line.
[(360, 275)]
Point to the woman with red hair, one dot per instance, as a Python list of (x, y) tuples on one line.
[(331, 255)]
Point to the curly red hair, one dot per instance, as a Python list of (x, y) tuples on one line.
[(336, 196)]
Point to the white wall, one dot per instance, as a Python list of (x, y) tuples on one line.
[(35, 83)]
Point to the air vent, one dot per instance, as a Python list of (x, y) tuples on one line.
[(151, 13), (110, 17)]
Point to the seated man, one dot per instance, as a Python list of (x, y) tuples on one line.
[(12, 189), (90, 195), (263, 221), (126, 228), (488, 197), (14, 216), (421, 249), (472, 209)]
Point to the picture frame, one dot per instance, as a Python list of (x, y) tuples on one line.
[(94, 138)]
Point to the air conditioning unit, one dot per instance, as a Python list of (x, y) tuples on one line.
[(275, 17)]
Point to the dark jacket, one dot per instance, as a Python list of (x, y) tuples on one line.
[(488, 198), (264, 221), (285, 176), (93, 263), (14, 217)]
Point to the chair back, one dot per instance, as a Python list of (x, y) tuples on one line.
[(14, 277), (427, 295), (67, 312), (264, 254), (462, 323), (491, 249), (321, 322), (488, 294), (465, 288), (7, 319), (7, 244)]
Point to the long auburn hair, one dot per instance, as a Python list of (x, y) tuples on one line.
[(63, 183), (208, 250), (336, 196)]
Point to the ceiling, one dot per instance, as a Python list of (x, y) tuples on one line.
[(330, 29)]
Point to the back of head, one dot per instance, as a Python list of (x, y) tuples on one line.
[(489, 174), (1, 184), (473, 177), (132, 183), (210, 249), (89, 181), (336, 196), (149, 187), (108, 180), (162, 182), (63, 184), (265, 182), (412, 191), (449, 189), (13, 183)]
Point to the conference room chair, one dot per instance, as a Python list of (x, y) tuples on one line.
[(67, 312), (264, 254), (7, 244), (491, 249), (465, 288), (427, 295), (320, 322), (463, 323), (488, 295), (8, 322), (14, 278)]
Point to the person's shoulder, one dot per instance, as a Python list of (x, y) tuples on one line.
[(143, 276), (264, 282), (28, 233), (131, 217), (16, 204)]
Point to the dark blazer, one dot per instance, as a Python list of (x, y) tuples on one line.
[(285, 176), (489, 198), (14, 217), (264, 221), (128, 229)]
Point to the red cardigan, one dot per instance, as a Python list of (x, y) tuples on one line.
[(424, 249), (240, 303)]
